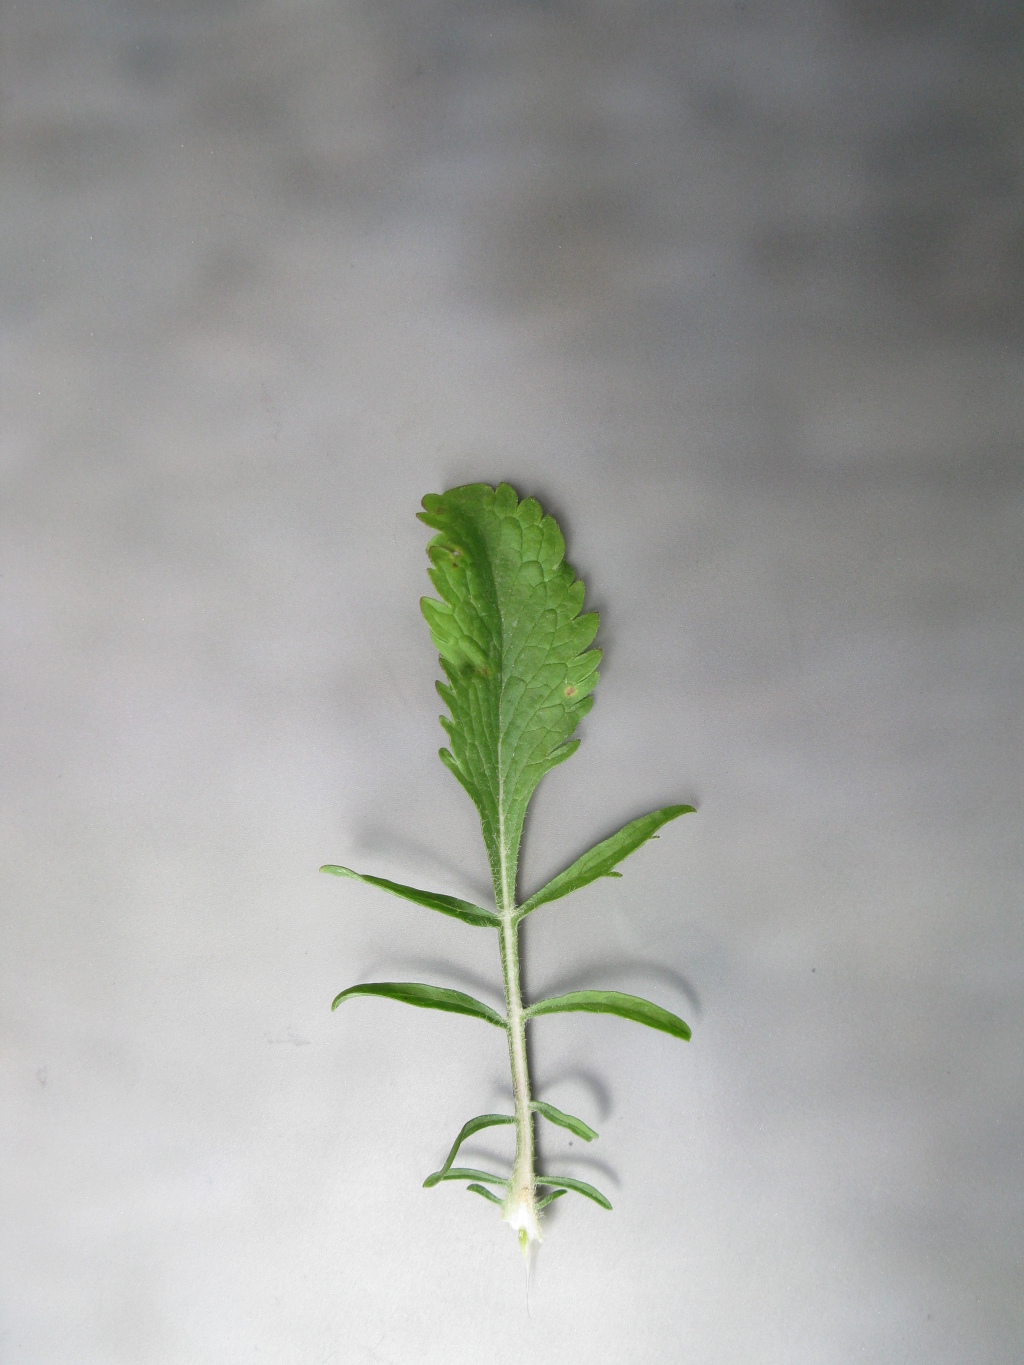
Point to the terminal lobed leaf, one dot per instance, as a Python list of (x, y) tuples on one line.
[(514, 650)]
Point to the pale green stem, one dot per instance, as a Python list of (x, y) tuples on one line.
[(520, 1208)]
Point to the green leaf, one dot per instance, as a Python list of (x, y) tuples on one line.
[(514, 649), (578, 1186), (548, 1199), (427, 997), (433, 900), (613, 1002), (479, 1189), (554, 1115), (467, 1173), (603, 857), (468, 1129)]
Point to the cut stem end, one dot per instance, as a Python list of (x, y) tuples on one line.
[(521, 1216)]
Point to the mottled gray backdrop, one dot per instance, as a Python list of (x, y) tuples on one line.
[(737, 290)]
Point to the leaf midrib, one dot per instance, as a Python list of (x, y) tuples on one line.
[(507, 909)]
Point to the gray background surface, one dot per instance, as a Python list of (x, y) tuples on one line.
[(737, 291)]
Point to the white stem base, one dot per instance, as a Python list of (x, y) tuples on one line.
[(521, 1215)]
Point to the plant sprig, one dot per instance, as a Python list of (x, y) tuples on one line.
[(515, 651)]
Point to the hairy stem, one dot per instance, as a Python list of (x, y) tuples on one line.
[(520, 1205)]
